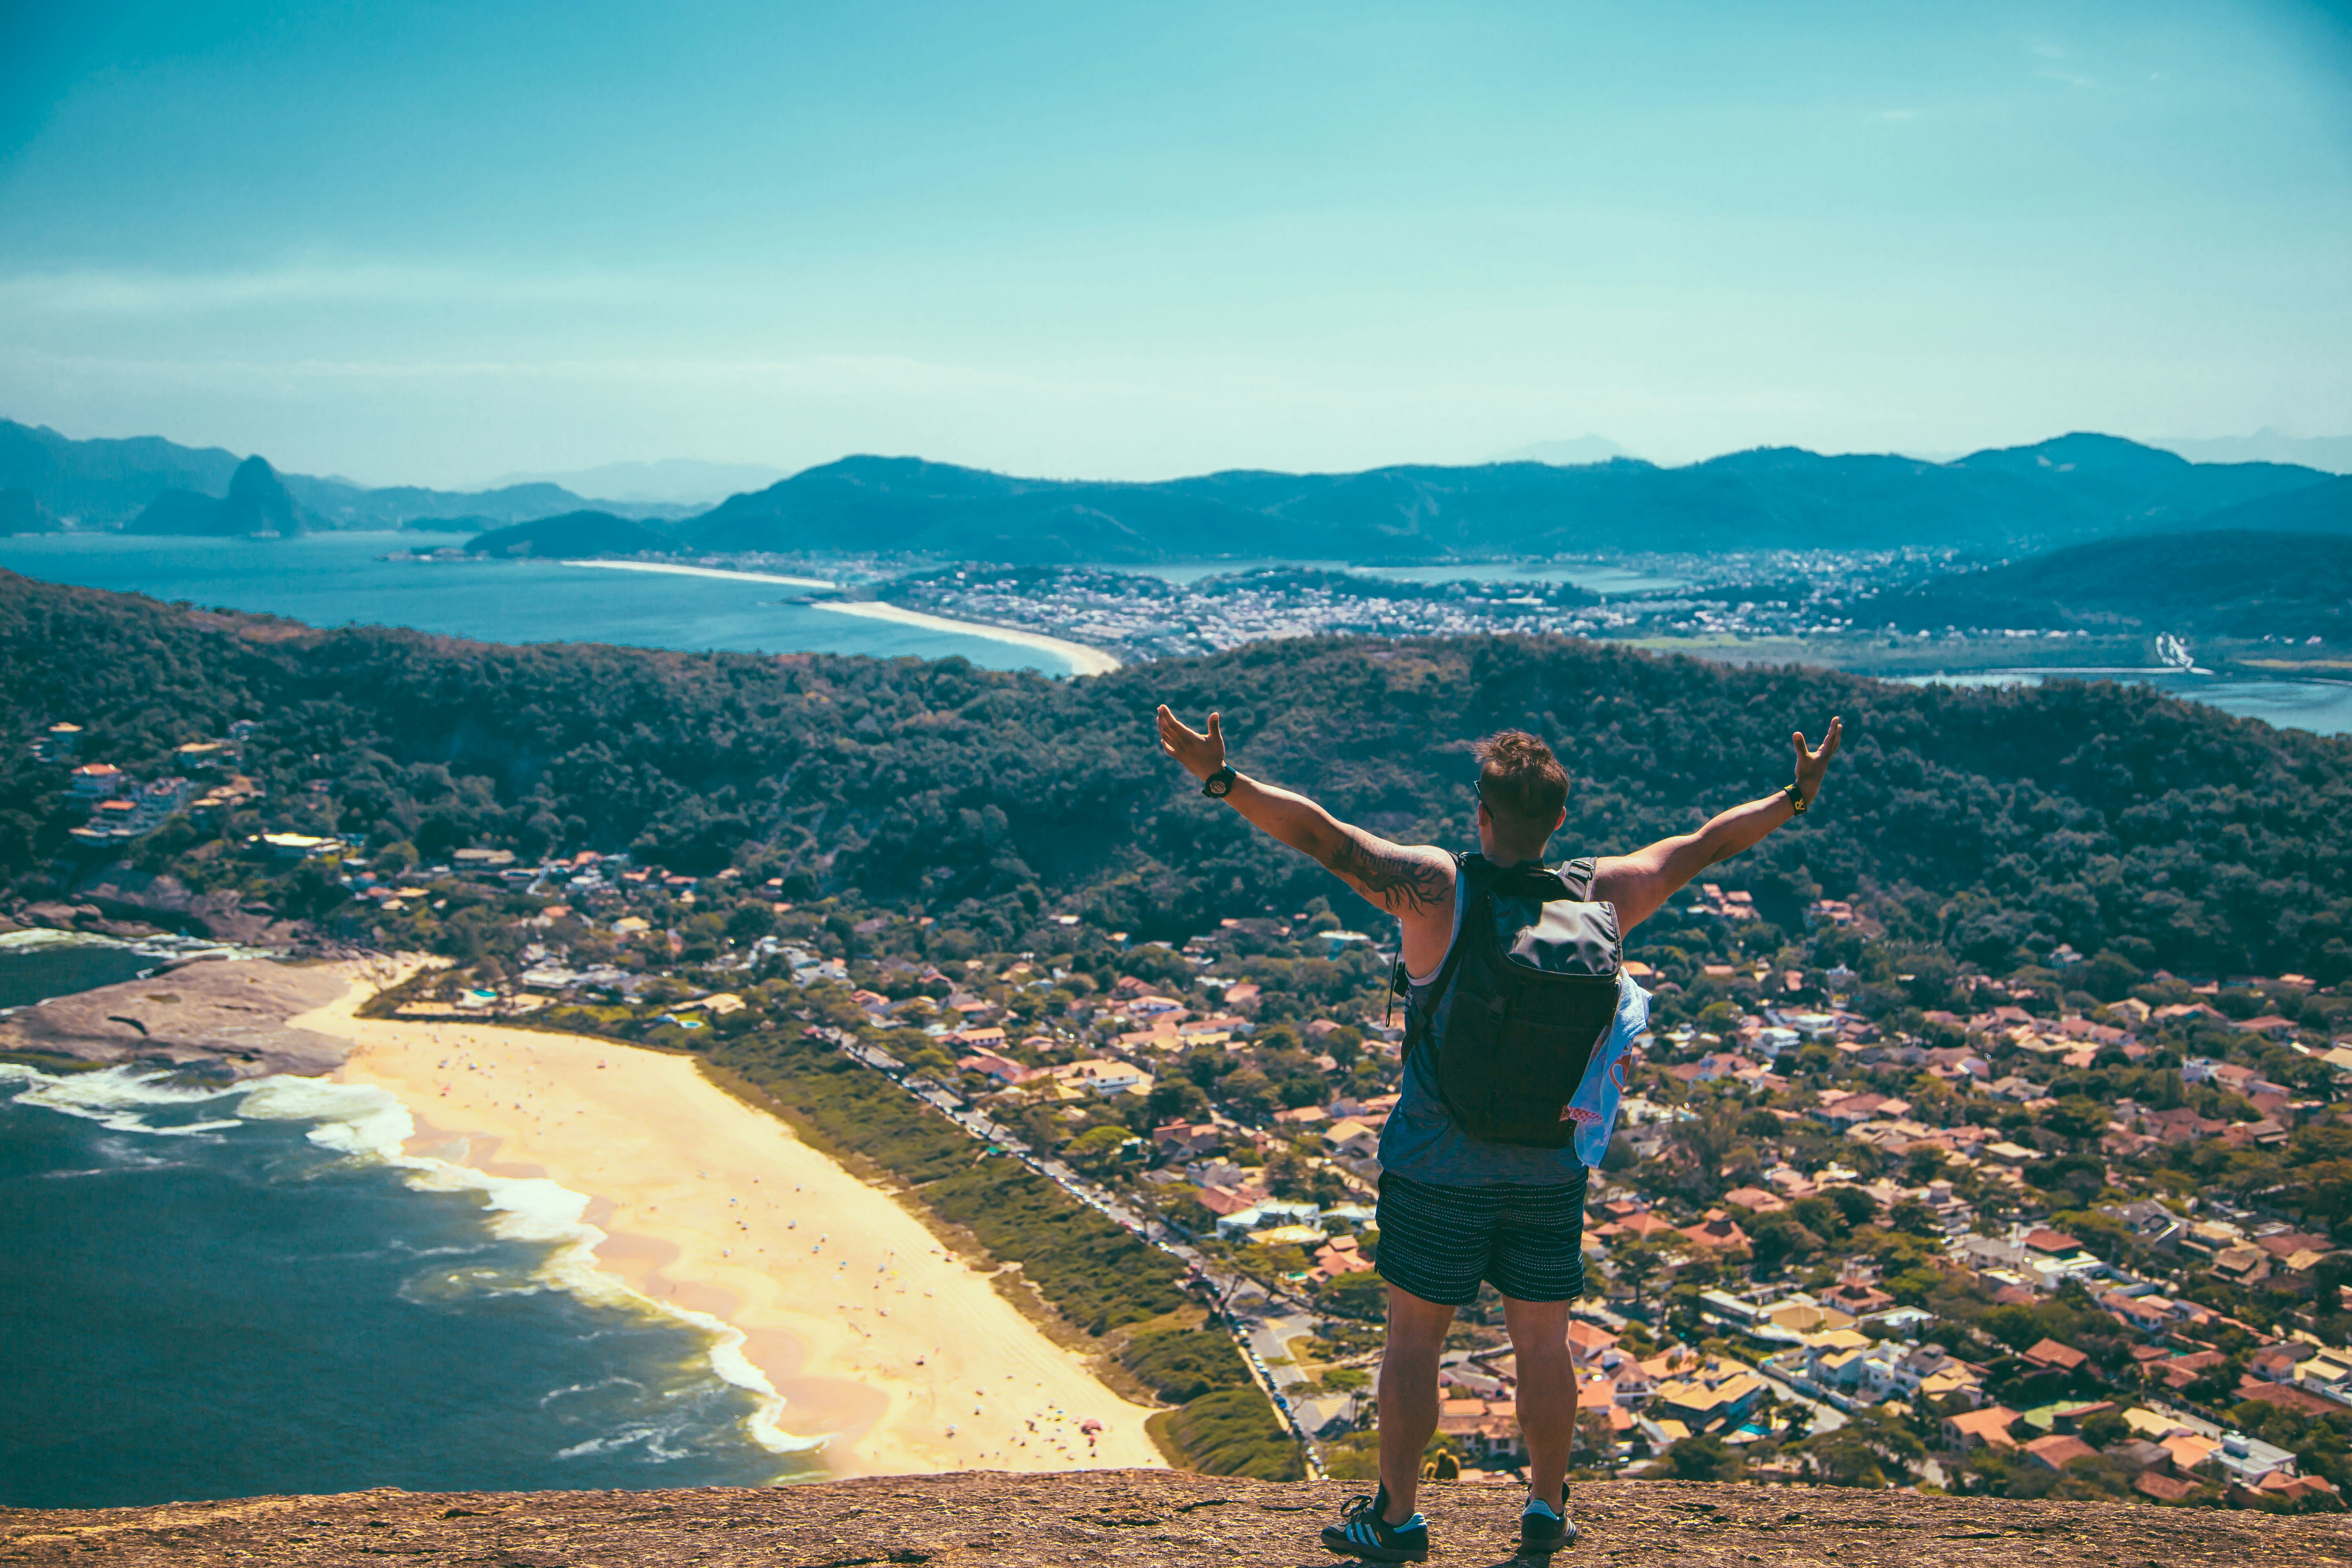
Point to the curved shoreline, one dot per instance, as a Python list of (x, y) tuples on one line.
[(675, 569), (1083, 660), (896, 1353)]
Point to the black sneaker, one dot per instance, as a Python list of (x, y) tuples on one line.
[(1362, 1532), (1542, 1531)]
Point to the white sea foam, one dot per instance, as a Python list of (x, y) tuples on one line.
[(158, 944), (358, 1119), (372, 1124), (117, 1098), (653, 1437)]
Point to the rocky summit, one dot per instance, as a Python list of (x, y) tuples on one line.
[(1149, 1520)]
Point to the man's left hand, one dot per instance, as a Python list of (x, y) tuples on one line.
[(1811, 764), (1201, 754)]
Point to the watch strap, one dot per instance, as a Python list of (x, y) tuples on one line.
[(1798, 804)]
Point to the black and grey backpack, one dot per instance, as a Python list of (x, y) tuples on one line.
[(1532, 982)]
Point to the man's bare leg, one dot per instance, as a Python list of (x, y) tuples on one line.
[(1547, 1392), (1408, 1393)]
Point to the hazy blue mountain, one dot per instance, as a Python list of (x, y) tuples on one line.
[(2314, 508), (575, 533), (675, 481), (105, 483), (2056, 492), (2216, 581), (257, 504), (2333, 453), (2020, 498), (21, 511), (1566, 454), (394, 505)]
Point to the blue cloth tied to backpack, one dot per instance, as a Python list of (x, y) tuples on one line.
[(1594, 1109)]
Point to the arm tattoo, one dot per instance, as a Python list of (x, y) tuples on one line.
[(1393, 880)]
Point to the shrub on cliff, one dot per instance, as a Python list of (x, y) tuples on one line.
[(1235, 1432)]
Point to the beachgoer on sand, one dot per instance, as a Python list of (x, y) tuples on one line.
[(1518, 1020)]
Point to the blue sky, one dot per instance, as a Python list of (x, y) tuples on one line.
[(434, 242)]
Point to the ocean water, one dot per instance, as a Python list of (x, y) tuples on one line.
[(339, 579), (210, 1290)]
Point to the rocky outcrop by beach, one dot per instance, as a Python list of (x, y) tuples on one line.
[(229, 1011), (1131, 1518)]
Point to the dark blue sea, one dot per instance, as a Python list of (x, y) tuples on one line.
[(220, 1291)]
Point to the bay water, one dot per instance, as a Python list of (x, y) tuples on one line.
[(342, 579)]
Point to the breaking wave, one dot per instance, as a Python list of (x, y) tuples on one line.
[(368, 1125)]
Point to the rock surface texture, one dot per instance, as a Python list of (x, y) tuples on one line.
[(233, 1013), (1137, 1519)]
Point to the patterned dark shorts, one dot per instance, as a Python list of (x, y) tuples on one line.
[(1527, 1241)]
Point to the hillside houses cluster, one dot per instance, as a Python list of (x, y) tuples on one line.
[(115, 806)]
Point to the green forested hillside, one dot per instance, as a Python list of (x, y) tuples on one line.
[(2235, 583), (2101, 815)]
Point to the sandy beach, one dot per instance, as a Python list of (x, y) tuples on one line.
[(1083, 660), (901, 1355), (674, 570)]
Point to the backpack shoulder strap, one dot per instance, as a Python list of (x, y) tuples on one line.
[(1578, 874), (1472, 875)]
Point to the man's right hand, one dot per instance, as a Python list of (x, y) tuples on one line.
[(1813, 762), (1201, 754)]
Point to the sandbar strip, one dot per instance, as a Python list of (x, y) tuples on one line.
[(875, 1335), (1083, 660), (679, 570)]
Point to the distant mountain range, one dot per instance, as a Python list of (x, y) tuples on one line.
[(672, 481), (109, 483), (2333, 453), (2054, 493), (1570, 453), (2005, 501)]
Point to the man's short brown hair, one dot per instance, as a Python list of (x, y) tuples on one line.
[(1520, 780)]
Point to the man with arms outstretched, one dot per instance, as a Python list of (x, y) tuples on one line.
[(1454, 1211)]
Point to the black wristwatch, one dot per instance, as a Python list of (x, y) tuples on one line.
[(1798, 804), (1219, 784)]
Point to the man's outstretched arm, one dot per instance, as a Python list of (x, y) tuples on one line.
[(1414, 882), (1639, 884)]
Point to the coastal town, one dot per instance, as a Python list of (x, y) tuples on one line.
[(1774, 596), (2026, 1222), (1839, 1237)]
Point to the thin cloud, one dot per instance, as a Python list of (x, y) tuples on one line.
[(151, 293)]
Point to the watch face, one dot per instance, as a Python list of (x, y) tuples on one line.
[(1219, 784)]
